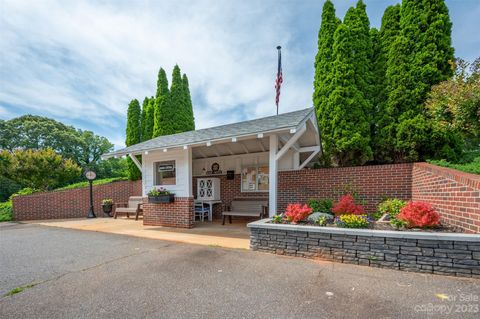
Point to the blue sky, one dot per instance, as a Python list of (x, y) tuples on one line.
[(81, 62)]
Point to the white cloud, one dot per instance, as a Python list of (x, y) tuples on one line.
[(77, 59), (83, 61)]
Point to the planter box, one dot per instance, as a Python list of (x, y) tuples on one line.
[(427, 252), (170, 198)]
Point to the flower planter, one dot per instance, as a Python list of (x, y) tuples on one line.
[(107, 209), (169, 198)]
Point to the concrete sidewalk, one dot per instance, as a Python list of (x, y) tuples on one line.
[(235, 235)]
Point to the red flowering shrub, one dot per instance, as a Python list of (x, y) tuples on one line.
[(297, 212), (346, 205), (419, 214)]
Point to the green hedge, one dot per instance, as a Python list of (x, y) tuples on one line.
[(96, 182), (472, 167)]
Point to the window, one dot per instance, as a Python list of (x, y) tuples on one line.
[(164, 173), (255, 179)]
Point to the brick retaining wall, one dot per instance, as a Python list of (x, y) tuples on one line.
[(454, 194), (446, 254), (176, 214), (72, 203)]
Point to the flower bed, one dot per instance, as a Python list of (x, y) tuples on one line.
[(427, 252)]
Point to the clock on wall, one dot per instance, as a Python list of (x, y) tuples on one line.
[(215, 168), (90, 175)]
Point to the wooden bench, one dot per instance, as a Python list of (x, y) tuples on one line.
[(245, 208), (134, 206)]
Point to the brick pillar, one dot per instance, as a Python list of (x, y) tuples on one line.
[(177, 214)]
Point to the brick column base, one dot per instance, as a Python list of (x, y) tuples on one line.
[(177, 214)]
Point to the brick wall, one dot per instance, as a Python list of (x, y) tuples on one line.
[(72, 203), (454, 194), (176, 214), (371, 183)]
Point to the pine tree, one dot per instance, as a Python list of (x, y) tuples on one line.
[(133, 135), (160, 103), (382, 135), (323, 71), (348, 133), (190, 119), (419, 58)]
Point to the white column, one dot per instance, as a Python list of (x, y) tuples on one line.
[(189, 184), (272, 186)]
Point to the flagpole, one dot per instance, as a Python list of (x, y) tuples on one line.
[(279, 48)]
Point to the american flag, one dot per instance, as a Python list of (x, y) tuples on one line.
[(279, 79)]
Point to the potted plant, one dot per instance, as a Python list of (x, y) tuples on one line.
[(160, 195), (107, 206)]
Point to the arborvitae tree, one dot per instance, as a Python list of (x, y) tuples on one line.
[(143, 120), (356, 20), (133, 136), (419, 58), (382, 43), (348, 134), (190, 119), (149, 119), (160, 103), (324, 71), (172, 113)]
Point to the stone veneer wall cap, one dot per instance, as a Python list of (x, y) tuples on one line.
[(264, 223)]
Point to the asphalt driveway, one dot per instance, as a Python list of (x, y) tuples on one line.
[(83, 274)]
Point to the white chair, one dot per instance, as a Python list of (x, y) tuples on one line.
[(200, 211)]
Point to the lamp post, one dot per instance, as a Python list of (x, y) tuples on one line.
[(90, 176)]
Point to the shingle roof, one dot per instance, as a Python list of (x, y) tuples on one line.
[(261, 125)]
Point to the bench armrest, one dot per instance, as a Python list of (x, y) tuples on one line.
[(140, 207)]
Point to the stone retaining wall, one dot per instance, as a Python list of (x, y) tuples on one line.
[(445, 253)]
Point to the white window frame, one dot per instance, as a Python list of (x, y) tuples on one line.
[(155, 173)]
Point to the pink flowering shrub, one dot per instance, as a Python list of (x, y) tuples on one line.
[(297, 212), (346, 205), (419, 214)]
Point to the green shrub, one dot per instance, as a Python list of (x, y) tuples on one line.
[(322, 220), (392, 207), (6, 208), (6, 211), (321, 205), (277, 219), (7, 188)]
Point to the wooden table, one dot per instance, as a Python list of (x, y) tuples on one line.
[(210, 206)]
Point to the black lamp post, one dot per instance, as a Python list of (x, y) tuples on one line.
[(90, 176)]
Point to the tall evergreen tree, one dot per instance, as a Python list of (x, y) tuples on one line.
[(133, 135), (348, 135), (324, 71), (382, 42), (149, 119), (160, 103), (143, 120), (356, 20), (190, 119), (419, 58), (174, 114)]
